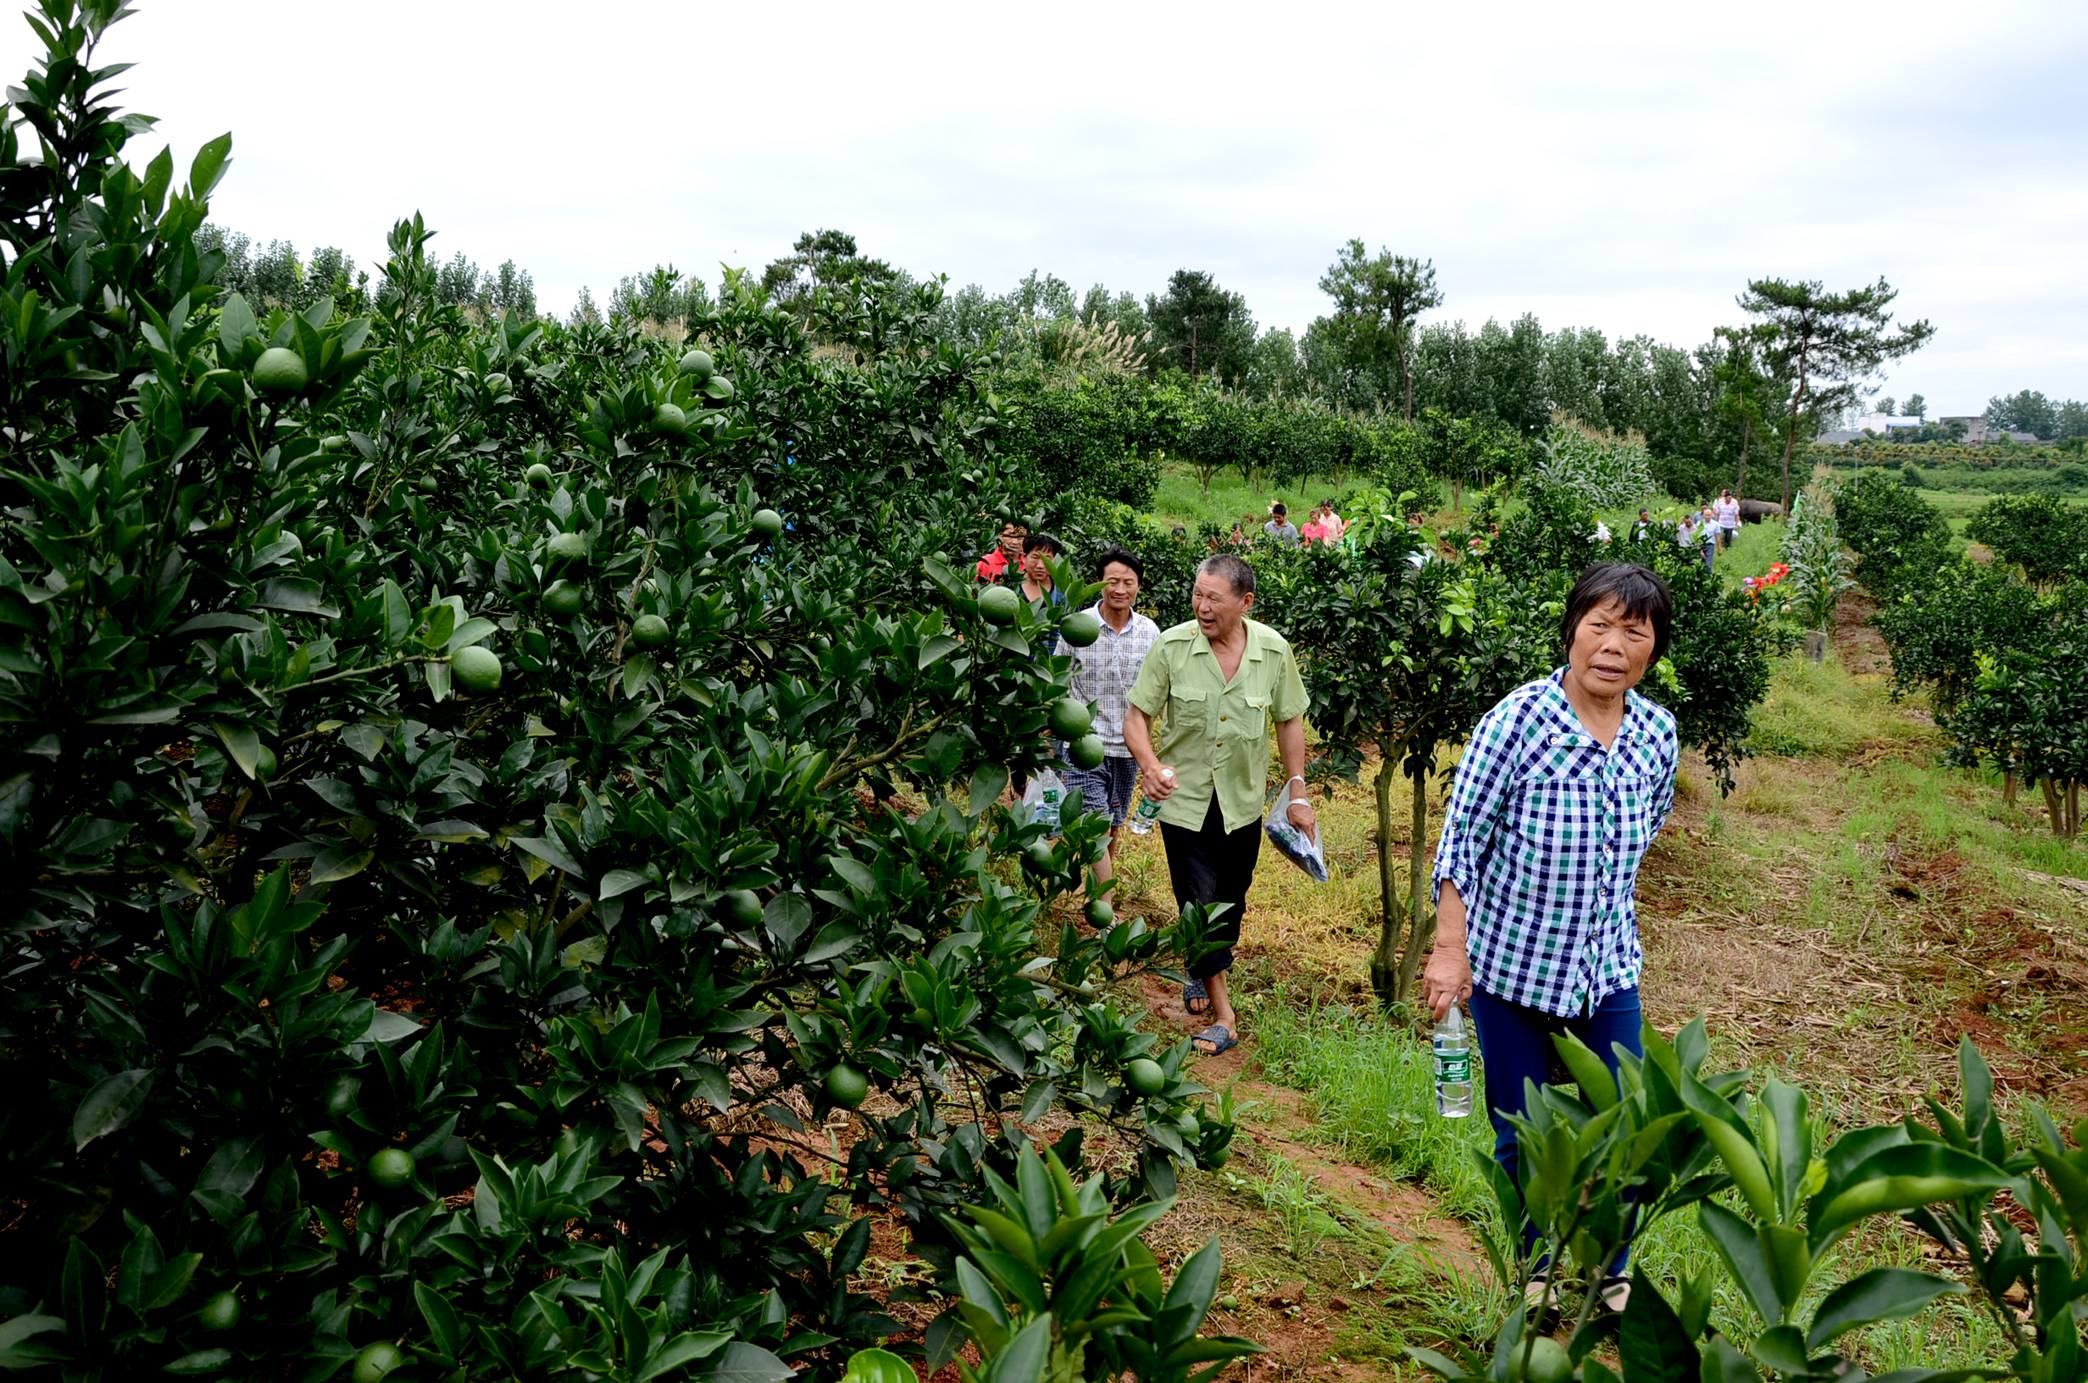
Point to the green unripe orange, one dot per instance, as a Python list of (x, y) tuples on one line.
[(847, 1086), (1087, 752), (1070, 719), (392, 1167), (562, 599), (670, 419), (264, 764), (999, 604), (1548, 1362), (340, 1096), (221, 1312), (538, 475), (475, 669), (742, 907), (1100, 914), (1145, 1077), (376, 1361), (699, 364), (1039, 855), (280, 370), (878, 1366), (427, 484), (1080, 629), (768, 523), (718, 388), (568, 547), (650, 631)]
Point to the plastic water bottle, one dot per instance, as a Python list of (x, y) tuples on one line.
[(1453, 1066), (1149, 810)]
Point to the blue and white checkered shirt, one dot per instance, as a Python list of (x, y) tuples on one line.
[(1104, 671), (1543, 839)]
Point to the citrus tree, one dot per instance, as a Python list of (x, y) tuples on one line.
[(2043, 537), (1401, 654), (1898, 536), (509, 872), (2026, 710)]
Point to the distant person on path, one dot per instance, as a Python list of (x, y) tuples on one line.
[(1280, 527), (1644, 525), (1727, 510), (1006, 555), (1103, 673), (1707, 532), (1216, 684), (1565, 784)]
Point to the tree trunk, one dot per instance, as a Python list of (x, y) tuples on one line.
[(1406, 375), (2008, 789), (1791, 437), (1746, 436), (1384, 962), (1417, 884), (2055, 806)]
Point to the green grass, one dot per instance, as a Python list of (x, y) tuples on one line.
[(1373, 1091), (1822, 710), (1182, 501)]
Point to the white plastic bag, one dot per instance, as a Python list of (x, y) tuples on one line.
[(1044, 796), (1300, 849)]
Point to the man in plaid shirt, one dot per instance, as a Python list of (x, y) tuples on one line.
[(1103, 673), (1560, 792)]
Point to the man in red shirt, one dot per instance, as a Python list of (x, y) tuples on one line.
[(1006, 555)]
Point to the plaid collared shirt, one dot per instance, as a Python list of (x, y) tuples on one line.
[(1104, 671), (1543, 839)]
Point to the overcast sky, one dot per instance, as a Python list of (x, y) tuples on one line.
[(1622, 166)]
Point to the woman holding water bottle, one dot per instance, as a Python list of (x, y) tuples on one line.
[(1559, 794)]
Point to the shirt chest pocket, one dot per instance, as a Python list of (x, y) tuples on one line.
[(1560, 812), (1188, 710), (1247, 716)]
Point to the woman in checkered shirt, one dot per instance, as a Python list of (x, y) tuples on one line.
[(1559, 794)]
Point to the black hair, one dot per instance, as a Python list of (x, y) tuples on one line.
[(1179, 532), (1641, 592), (1278, 508), (1118, 554), (1235, 571), (1036, 540)]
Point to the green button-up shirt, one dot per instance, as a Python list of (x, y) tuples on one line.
[(1215, 732)]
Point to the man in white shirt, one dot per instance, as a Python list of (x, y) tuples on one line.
[(1103, 673)]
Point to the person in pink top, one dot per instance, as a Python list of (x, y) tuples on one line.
[(1330, 524)]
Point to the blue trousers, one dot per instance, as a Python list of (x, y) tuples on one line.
[(1515, 1045)]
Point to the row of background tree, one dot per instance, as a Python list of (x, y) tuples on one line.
[(1703, 412)]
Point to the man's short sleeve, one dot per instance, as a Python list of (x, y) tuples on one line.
[(1155, 680), (1289, 700)]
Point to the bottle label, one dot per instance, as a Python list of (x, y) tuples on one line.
[(1453, 1068)]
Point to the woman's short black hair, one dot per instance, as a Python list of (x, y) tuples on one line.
[(1642, 594), (1119, 554), (1044, 540)]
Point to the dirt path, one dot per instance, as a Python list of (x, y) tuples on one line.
[(1315, 1311)]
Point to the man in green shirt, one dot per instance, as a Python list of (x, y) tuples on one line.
[(1216, 684)]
